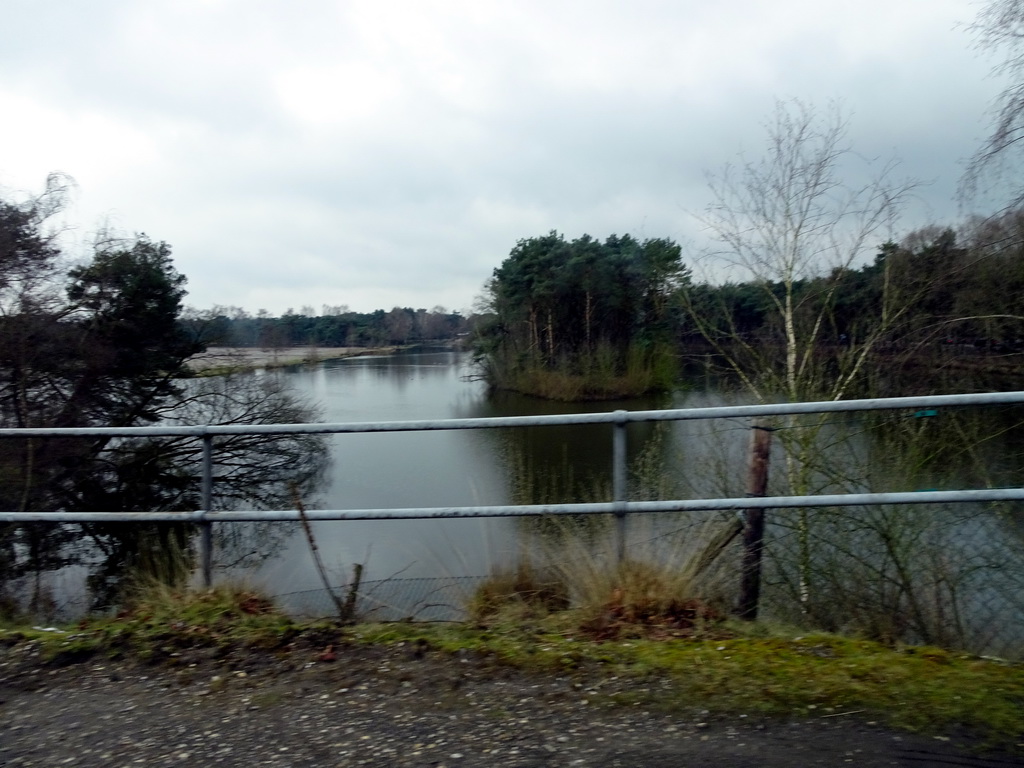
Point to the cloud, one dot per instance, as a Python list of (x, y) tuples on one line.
[(391, 153)]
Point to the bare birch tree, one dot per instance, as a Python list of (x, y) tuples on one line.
[(790, 217), (781, 222)]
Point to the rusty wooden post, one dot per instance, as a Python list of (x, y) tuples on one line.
[(753, 526)]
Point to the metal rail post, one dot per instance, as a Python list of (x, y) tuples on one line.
[(206, 527), (619, 489)]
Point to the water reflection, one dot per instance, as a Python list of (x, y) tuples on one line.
[(863, 452), (553, 464), (398, 470), (443, 468)]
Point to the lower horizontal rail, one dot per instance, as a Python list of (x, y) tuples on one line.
[(679, 505)]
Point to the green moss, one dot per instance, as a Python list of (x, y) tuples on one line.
[(817, 675), (162, 621), (755, 670)]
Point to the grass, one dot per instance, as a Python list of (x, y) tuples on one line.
[(602, 374), (734, 670), (722, 666), (670, 582), (523, 589), (656, 618), (163, 620)]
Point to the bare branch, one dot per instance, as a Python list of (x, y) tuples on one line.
[(790, 218), (999, 28)]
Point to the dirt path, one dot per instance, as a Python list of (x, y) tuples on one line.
[(400, 706)]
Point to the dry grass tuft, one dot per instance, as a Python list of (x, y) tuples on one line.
[(525, 589), (638, 596), (668, 584)]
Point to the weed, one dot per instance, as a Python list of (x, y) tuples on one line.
[(668, 582), (160, 620), (524, 590)]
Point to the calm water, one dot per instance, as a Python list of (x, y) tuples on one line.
[(963, 556), (557, 464), (435, 469)]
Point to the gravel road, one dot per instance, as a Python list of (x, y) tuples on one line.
[(399, 706)]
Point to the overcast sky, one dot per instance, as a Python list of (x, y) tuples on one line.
[(391, 152)]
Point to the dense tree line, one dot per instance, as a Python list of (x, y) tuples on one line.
[(943, 308), (99, 344), (954, 295), (334, 326), (808, 318), (954, 287)]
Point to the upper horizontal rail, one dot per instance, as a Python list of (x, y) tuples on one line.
[(610, 417)]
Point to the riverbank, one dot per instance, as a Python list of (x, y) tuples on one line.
[(396, 704), (601, 375), (223, 677), (216, 360)]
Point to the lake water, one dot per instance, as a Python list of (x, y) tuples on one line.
[(435, 469), (962, 564), (404, 560)]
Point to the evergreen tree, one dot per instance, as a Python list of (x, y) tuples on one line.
[(101, 345)]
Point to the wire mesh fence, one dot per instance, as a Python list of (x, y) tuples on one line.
[(869, 542), (418, 599), (950, 576), (946, 576)]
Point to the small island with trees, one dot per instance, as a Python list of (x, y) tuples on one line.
[(583, 319)]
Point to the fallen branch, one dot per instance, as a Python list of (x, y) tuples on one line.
[(345, 609)]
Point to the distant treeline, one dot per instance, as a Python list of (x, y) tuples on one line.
[(334, 326), (962, 289), (585, 318)]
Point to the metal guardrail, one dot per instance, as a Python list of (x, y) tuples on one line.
[(619, 506)]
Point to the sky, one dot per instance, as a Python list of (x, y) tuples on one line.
[(391, 152)]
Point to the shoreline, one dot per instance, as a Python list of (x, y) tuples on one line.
[(218, 360)]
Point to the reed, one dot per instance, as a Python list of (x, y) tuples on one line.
[(669, 581), (603, 373)]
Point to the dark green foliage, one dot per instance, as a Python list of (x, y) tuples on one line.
[(101, 344), (334, 327), (598, 315), (129, 298), (113, 356)]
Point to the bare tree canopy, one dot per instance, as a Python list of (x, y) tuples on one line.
[(1000, 29), (799, 212)]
